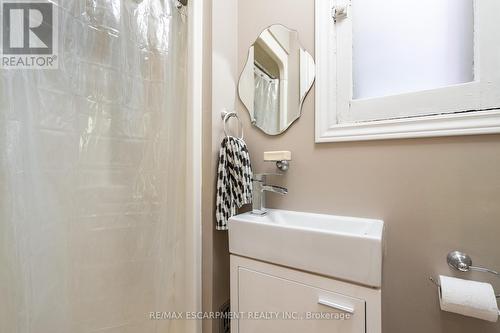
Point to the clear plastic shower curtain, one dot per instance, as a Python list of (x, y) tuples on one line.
[(92, 174), (266, 102)]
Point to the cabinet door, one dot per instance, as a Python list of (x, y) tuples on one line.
[(299, 307)]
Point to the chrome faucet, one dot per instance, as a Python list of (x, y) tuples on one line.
[(259, 192)]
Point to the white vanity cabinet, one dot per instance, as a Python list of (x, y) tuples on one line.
[(296, 272), (272, 298)]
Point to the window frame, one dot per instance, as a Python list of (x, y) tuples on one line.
[(429, 113)]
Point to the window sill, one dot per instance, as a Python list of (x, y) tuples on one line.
[(479, 122)]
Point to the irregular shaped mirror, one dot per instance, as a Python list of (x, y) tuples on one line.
[(276, 79)]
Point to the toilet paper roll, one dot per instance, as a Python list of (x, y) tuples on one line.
[(468, 298)]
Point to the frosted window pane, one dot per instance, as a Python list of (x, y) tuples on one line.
[(411, 45)]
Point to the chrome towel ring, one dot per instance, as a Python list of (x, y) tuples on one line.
[(228, 115)]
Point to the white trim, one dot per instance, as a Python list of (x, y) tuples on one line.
[(450, 99), (194, 180), (483, 122), (326, 69), (420, 114)]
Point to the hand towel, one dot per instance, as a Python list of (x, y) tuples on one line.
[(234, 180)]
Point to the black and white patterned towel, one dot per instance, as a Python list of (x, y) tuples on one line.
[(234, 180)]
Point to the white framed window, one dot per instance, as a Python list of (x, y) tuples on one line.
[(398, 69)]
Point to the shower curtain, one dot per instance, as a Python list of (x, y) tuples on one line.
[(266, 102), (92, 174)]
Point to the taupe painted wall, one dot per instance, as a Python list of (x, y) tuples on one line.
[(435, 195)]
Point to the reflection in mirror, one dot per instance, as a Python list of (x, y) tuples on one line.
[(276, 79)]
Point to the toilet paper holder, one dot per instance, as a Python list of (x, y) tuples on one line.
[(462, 262), (433, 280)]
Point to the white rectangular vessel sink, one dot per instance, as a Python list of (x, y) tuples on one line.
[(345, 248)]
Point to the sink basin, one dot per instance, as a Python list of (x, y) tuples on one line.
[(345, 248)]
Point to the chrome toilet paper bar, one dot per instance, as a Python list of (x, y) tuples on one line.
[(462, 262)]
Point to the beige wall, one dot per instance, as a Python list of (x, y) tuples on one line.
[(435, 195)]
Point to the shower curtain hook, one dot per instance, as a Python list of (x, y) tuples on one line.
[(181, 3)]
